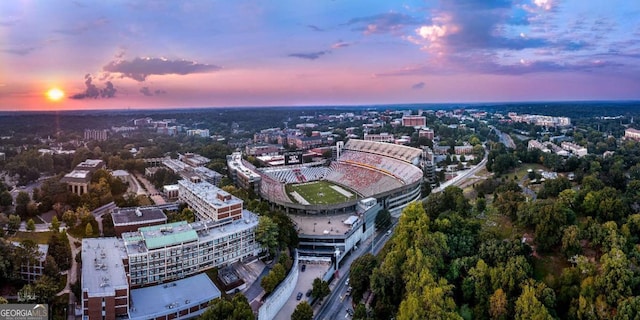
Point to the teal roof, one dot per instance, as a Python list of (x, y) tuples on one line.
[(162, 226), (168, 234), (171, 239)]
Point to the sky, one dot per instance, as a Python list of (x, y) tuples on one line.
[(167, 54)]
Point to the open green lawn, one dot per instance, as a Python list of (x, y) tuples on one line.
[(37, 237), (319, 192)]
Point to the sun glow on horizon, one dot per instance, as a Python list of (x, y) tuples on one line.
[(55, 94)]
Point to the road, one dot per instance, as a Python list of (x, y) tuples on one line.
[(461, 178), (336, 304)]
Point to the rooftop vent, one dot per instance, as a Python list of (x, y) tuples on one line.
[(138, 212)]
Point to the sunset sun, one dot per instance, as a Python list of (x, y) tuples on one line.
[(55, 94)]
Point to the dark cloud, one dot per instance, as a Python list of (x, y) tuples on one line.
[(309, 55), (140, 68), (93, 92), (315, 28), (20, 51), (382, 23), (146, 91), (418, 86)]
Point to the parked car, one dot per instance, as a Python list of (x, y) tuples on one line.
[(303, 268), (308, 294), (299, 296)]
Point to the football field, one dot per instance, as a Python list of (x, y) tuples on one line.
[(319, 192)]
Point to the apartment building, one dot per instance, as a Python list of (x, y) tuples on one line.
[(167, 252), (209, 202)]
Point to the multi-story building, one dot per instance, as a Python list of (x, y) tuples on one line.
[(79, 179), (176, 250), (204, 133), (382, 137), (242, 173), (107, 294), (209, 202), (577, 150), (105, 289), (130, 219), (93, 134), (632, 134), (426, 133), (414, 121), (260, 149), (465, 149)]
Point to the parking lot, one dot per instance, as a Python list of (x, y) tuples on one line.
[(305, 281)]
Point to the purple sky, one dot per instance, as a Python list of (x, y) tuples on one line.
[(144, 54)]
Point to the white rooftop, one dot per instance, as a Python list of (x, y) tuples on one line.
[(102, 269), (162, 299), (78, 174), (209, 193)]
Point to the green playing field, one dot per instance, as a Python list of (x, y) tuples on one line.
[(319, 192)]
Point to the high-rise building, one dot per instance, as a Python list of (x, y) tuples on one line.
[(209, 202)]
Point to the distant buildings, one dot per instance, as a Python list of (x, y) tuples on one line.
[(414, 121), (575, 149), (632, 134), (204, 133), (539, 120), (382, 137), (426, 133), (94, 134)]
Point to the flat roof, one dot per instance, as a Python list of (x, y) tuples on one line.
[(102, 269), (162, 299), (129, 216), (167, 234), (209, 194), (171, 187), (79, 174), (90, 163), (322, 224)]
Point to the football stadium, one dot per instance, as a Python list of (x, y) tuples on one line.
[(334, 204), (362, 169)]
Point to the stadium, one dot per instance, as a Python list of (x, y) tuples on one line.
[(362, 169)]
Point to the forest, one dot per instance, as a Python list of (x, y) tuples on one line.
[(569, 252)]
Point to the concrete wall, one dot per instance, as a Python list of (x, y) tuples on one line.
[(281, 294)]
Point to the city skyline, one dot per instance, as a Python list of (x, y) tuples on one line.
[(157, 54)]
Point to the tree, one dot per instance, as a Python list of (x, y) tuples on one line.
[(528, 307), (237, 308), (360, 274), (5, 199), (45, 289), (319, 289), (51, 267), (70, 218), (22, 200), (267, 234), (498, 305), (571, 241), (88, 231), (383, 219), (55, 224), (14, 223), (31, 225), (302, 312), (616, 276)]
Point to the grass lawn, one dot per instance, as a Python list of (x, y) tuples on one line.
[(37, 237), (319, 192), (549, 265)]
